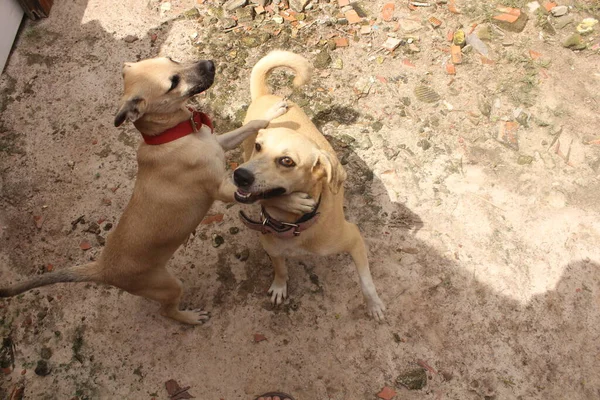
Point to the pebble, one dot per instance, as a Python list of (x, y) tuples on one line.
[(559, 11), (298, 5), (42, 368), (234, 230), (322, 60), (231, 5), (217, 240), (129, 39), (228, 23), (46, 353), (278, 19), (414, 379), (242, 255)]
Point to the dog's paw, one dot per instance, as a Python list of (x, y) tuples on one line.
[(297, 203), (277, 110), (193, 317), (278, 292), (376, 308)]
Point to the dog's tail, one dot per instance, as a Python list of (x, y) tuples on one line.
[(80, 273), (275, 59)]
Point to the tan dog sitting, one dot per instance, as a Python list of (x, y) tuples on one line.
[(181, 171), (291, 156)]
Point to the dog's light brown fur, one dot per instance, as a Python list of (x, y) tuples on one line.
[(176, 185), (317, 172)]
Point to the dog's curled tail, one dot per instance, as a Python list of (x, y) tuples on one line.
[(276, 59), (80, 273)]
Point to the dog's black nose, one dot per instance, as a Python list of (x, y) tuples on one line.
[(242, 177), (211, 66)]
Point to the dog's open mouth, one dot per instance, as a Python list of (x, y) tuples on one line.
[(245, 197)]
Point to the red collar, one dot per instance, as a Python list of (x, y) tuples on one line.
[(182, 129)]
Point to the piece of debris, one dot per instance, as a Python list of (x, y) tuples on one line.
[(391, 43), (217, 240), (322, 60), (414, 379), (507, 134), (231, 5), (259, 337), (423, 364), (177, 392), (459, 38), (242, 255), (130, 38), (42, 368), (409, 25), (559, 11), (85, 245), (426, 94), (456, 54), (419, 4), (341, 42), (511, 19), (352, 17), (450, 69), (211, 219), (587, 26), (298, 5), (386, 393), (477, 44), (387, 12), (39, 221), (436, 23), (363, 85), (574, 42)]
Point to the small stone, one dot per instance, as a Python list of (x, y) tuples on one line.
[(409, 26), (128, 39), (245, 14), (278, 19), (71, 164), (231, 5), (524, 160), (217, 240), (101, 240), (228, 23), (424, 144), (42, 368), (376, 126), (242, 255), (414, 379), (164, 7), (298, 5), (559, 11), (574, 42), (46, 353), (426, 94), (347, 139), (234, 230), (300, 16), (413, 48), (337, 64), (485, 33), (322, 60), (586, 26), (93, 228), (250, 41), (341, 21), (564, 21)]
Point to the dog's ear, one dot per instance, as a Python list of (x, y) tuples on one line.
[(328, 166), (131, 109)]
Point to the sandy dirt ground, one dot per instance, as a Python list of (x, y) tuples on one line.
[(480, 209)]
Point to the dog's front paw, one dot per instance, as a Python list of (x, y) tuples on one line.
[(278, 292), (297, 203), (277, 110), (376, 308)]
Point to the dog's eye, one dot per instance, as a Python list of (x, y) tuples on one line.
[(257, 146), (174, 82), (286, 162)]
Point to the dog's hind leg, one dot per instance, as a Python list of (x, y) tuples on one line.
[(354, 244), (161, 286)]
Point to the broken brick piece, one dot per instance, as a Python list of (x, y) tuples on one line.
[(352, 17), (387, 12), (450, 69), (343, 3), (506, 17), (456, 54), (341, 41)]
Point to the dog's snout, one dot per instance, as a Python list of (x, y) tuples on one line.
[(207, 66), (242, 177)]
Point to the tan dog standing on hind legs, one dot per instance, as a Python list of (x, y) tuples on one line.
[(181, 171), (290, 156)]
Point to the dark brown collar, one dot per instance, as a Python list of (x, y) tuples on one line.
[(280, 229)]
